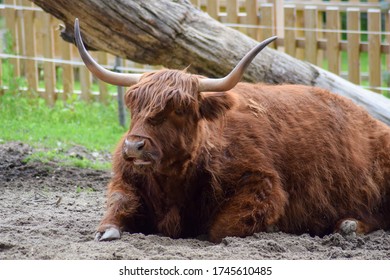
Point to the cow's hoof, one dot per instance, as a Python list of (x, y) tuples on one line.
[(348, 227), (108, 235)]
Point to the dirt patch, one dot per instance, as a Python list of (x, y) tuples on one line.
[(49, 211)]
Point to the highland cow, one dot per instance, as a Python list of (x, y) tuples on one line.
[(221, 158)]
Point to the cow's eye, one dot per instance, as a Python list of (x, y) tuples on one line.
[(179, 112), (156, 120)]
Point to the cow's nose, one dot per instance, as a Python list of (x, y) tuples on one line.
[(134, 148)]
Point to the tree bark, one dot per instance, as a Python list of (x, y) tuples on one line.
[(175, 34)]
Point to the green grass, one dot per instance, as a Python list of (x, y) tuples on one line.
[(364, 68), (364, 64), (53, 131), (29, 120), (56, 155)]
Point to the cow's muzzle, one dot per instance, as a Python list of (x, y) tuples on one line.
[(134, 150)]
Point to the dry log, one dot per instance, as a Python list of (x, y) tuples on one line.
[(176, 34)]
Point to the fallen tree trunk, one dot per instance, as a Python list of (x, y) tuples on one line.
[(176, 34)]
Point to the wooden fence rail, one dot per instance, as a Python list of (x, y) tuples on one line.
[(351, 39), (51, 66)]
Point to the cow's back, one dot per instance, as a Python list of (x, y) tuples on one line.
[(328, 154)]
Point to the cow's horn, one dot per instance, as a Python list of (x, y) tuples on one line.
[(103, 74), (228, 82)]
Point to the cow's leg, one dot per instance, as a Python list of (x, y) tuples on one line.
[(256, 207), (122, 207), (353, 227), (380, 218)]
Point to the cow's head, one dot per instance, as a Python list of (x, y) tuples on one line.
[(168, 108)]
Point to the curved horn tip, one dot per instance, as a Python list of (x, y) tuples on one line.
[(76, 27), (230, 81), (76, 23), (273, 38), (266, 42), (270, 39), (118, 79)]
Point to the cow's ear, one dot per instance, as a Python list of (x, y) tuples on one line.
[(214, 105)]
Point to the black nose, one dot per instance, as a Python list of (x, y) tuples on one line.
[(135, 145), (133, 148)]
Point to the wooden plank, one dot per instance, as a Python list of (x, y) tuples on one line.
[(196, 3), (120, 96), (279, 18), (388, 37), (310, 15), (11, 25), (48, 67), (1, 60), (103, 90), (387, 29), (85, 83), (30, 49), (300, 24), (39, 29), (26, 3), (67, 70), (57, 40), (333, 39), (353, 40), (321, 35), (22, 24), (252, 18), (213, 8), (21, 40), (267, 21), (289, 31), (374, 42), (232, 11)]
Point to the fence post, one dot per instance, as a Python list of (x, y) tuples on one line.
[(374, 45), (121, 106), (333, 39), (321, 54), (85, 83), (1, 62), (213, 8), (310, 15), (21, 45), (267, 21), (30, 49), (48, 66), (300, 25), (11, 24), (279, 18), (387, 73), (232, 11), (353, 43), (67, 70), (103, 92), (289, 30), (252, 18)]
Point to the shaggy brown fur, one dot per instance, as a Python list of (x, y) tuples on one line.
[(256, 158)]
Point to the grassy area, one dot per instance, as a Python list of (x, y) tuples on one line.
[(91, 125), (364, 68), (55, 130)]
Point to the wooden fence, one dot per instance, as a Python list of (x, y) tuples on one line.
[(340, 36)]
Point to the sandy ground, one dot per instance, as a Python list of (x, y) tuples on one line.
[(49, 211)]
